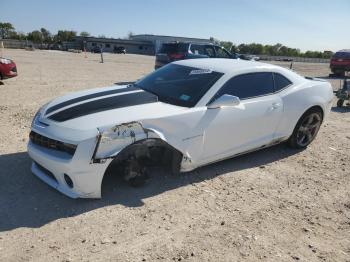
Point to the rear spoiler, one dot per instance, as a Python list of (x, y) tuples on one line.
[(315, 79)]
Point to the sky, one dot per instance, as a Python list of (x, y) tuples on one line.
[(304, 24)]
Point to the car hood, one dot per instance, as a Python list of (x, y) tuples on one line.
[(104, 107)]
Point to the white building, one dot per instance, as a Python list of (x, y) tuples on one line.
[(158, 40)]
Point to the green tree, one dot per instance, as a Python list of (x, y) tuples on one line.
[(226, 44), (130, 35), (64, 36), (35, 36), (46, 36), (234, 49), (84, 34), (6, 29)]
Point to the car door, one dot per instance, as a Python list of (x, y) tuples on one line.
[(249, 125)]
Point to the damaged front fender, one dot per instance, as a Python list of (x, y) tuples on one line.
[(112, 140)]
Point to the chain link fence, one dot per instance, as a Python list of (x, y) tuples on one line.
[(294, 59)]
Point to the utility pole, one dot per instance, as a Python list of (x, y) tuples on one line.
[(101, 50)]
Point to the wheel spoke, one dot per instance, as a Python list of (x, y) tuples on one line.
[(310, 119), (314, 125), (308, 129), (309, 136)]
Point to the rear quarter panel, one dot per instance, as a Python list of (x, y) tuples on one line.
[(298, 99)]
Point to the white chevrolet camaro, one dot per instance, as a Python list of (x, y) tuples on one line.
[(185, 115)]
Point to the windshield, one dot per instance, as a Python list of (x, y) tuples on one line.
[(179, 85), (344, 55)]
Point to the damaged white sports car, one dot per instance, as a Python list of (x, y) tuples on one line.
[(185, 115)]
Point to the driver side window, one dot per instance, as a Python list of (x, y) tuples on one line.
[(247, 86)]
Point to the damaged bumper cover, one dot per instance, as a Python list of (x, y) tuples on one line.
[(86, 168)]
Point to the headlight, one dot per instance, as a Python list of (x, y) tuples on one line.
[(36, 117), (38, 114), (5, 61), (69, 148)]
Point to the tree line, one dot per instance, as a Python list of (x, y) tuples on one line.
[(44, 36), (273, 50)]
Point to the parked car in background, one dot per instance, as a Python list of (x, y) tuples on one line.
[(182, 116), (96, 49), (55, 47), (340, 62), (170, 52), (248, 57), (8, 68), (119, 50)]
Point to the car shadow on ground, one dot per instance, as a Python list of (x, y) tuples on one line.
[(25, 201), (343, 109)]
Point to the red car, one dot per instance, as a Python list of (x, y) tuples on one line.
[(340, 62), (8, 68)]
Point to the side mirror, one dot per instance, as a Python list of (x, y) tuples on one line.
[(224, 100)]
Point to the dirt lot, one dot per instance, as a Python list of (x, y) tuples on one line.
[(273, 205)]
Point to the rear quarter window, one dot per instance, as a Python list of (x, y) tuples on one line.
[(281, 82)]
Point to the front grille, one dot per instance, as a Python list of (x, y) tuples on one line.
[(45, 171), (46, 142)]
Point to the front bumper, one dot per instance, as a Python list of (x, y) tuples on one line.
[(345, 67), (51, 166)]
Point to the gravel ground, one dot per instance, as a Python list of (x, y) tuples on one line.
[(277, 204)]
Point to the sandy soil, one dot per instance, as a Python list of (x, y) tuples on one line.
[(273, 205)]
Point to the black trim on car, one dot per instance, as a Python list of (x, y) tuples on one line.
[(274, 83), (246, 98), (53, 144), (109, 103), (46, 172), (90, 96)]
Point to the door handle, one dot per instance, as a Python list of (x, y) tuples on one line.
[(275, 105)]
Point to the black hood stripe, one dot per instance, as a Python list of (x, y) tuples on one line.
[(104, 104), (87, 97)]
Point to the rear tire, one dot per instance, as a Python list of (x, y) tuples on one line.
[(340, 73), (340, 103), (306, 129)]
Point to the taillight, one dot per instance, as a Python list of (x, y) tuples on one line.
[(177, 56)]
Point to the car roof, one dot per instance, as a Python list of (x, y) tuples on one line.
[(344, 51), (224, 65), (237, 66)]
